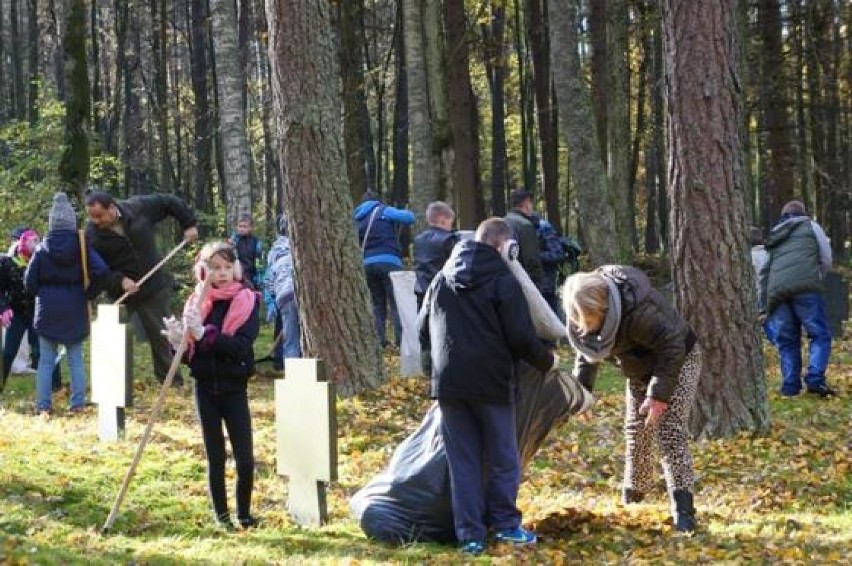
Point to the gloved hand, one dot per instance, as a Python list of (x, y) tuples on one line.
[(192, 322), (173, 331), (6, 318)]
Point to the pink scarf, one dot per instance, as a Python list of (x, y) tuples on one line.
[(242, 304)]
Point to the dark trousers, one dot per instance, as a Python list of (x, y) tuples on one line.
[(475, 433), (233, 409), (381, 293), (11, 344), (151, 312)]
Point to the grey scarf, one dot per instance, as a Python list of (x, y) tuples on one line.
[(597, 347)]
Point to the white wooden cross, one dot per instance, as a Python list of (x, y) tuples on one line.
[(112, 366), (406, 306), (306, 433)]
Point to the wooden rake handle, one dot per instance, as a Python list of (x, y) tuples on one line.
[(152, 418), (154, 270)]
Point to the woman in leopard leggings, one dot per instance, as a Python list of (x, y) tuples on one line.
[(614, 312)]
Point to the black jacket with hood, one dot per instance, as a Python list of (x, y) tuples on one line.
[(476, 322)]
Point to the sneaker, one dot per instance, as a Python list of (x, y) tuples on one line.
[(79, 409), (223, 523), (518, 535), (788, 394), (472, 547), (823, 391), (45, 413)]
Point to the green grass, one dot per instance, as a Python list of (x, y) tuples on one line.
[(785, 497)]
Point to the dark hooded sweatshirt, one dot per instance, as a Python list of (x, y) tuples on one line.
[(476, 322)]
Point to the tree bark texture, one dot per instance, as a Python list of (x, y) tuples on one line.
[(618, 125), (424, 178), (232, 119), (352, 72), (711, 265), (436, 69), (334, 305), (462, 118), (74, 165), (495, 67), (595, 210), (202, 146)]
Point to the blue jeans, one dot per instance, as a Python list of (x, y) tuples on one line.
[(477, 435), (46, 367), (805, 310), (290, 326), (381, 293), (14, 335)]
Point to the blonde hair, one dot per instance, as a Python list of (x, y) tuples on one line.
[(585, 296)]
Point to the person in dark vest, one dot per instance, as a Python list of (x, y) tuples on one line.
[(249, 249), (432, 246), (382, 255), (122, 232), (790, 287), (521, 220)]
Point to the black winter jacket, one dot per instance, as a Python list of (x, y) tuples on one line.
[(224, 364), (432, 248), (135, 253), (529, 249), (652, 340), (13, 293), (476, 322)]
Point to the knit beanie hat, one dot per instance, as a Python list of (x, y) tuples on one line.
[(61, 216)]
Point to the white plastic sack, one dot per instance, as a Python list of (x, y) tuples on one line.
[(406, 306), (21, 363), (547, 324)]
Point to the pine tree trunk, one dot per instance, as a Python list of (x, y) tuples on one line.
[(711, 265), (334, 306), (780, 166), (19, 88), (495, 68), (399, 184), (595, 210), (462, 118), (232, 119), (424, 180), (618, 126), (34, 42), (436, 69), (598, 69), (74, 165), (352, 67), (202, 147)]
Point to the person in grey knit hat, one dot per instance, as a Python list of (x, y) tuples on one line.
[(61, 216), (55, 276)]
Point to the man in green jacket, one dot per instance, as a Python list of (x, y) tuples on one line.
[(790, 295), (525, 228)]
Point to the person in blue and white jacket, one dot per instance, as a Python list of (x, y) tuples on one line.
[(377, 224), (280, 285)]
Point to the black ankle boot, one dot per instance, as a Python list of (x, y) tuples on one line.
[(683, 511), (247, 522), (630, 495)]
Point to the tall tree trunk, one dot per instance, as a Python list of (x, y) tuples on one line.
[(19, 82), (399, 186), (797, 32), (352, 68), (656, 234), (232, 119), (74, 165), (161, 89), (424, 182), (5, 110), (599, 73), (34, 41), (462, 118), (780, 166), (495, 68), (334, 305), (436, 69), (549, 145), (595, 210), (711, 265), (618, 126), (55, 31), (202, 147)]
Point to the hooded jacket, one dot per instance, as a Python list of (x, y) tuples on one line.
[(134, 253), (55, 277), (432, 248), (382, 245), (279, 275), (652, 340), (13, 294), (799, 258), (476, 322)]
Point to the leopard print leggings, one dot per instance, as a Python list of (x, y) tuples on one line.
[(670, 433)]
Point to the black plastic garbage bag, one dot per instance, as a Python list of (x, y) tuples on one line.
[(410, 500)]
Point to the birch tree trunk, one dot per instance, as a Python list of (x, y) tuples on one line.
[(595, 210), (334, 305), (711, 264), (232, 120), (424, 182)]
